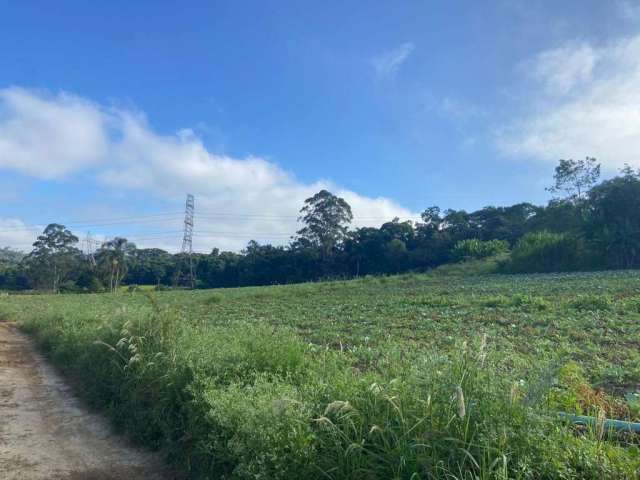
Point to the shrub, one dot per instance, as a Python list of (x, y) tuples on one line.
[(95, 285), (470, 268), (546, 252), (473, 249)]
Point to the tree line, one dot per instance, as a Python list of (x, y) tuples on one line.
[(589, 224)]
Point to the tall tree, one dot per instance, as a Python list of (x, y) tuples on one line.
[(613, 220), (53, 257), (575, 177), (114, 257), (326, 218)]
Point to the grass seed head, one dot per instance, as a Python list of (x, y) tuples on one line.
[(462, 411)]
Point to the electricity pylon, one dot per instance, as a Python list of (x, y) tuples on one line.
[(187, 239), (91, 245)]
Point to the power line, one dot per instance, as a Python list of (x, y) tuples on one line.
[(167, 216), (127, 217), (131, 220), (292, 217), (208, 233)]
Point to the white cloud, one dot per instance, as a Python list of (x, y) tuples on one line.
[(265, 197), (387, 64), (16, 234), (562, 69), (236, 199), (588, 104), (49, 137)]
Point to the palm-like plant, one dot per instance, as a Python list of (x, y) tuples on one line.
[(114, 257)]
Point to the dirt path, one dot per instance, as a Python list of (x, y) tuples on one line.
[(45, 433)]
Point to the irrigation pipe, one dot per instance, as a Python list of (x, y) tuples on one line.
[(618, 425)]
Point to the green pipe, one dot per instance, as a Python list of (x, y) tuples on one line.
[(618, 425)]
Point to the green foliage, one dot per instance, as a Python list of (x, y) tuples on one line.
[(95, 285), (575, 177), (633, 402), (326, 217), (566, 396), (5, 313), (421, 376), (632, 304), (114, 258), (473, 249), (612, 223), (9, 257), (530, 302), (495, 301), (213, 299), (54, 257), (485, 266), (545, 252), (592, 302)]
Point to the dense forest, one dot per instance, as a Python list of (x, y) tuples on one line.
[(588, 225)]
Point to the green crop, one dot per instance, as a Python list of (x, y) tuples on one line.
[(408, 377)]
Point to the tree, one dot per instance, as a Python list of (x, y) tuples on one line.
[(150, 266), (11, 270), (54, 257), (432, 218), (10, 257), (326, 218), (613, 220), (113, 258), (575, 177), (503, 223)]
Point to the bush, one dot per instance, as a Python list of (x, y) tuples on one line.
[(544, 251), (95, 285), (473, 249), (470, 268)]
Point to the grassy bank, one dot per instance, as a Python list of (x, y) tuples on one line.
[(408, 377)]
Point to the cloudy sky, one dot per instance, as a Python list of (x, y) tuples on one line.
[(110, 114)]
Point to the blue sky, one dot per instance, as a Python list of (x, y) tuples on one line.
[(116, 110)]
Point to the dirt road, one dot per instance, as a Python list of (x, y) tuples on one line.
[(45, 433)]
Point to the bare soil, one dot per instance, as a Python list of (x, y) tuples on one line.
[(46, 433)]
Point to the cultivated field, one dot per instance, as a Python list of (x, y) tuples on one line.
[(416, 376)]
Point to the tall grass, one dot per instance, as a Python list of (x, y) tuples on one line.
[(254, 402)]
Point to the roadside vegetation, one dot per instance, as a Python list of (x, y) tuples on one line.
[(411, 377)]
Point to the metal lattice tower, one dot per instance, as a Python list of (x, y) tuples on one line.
[(187, 238), (90, 247)]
